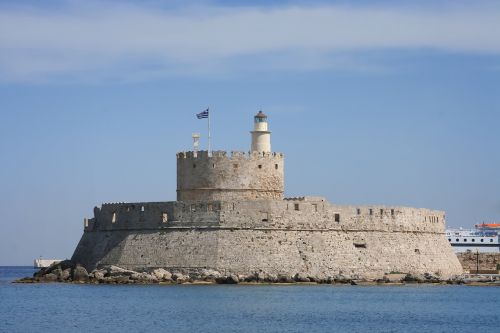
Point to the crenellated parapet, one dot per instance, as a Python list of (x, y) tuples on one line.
[(229, 176)]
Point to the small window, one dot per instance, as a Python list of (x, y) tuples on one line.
[(296, 206), (213, 165), (362, 246), (235, 166), (457, 239), (276, 166), (260, 166), (210, 207), (465, 239), (113, 218), (194, 166), (473, 240), (315, 207), (86, 222), (417, 251), (491, 240), (193, 208), (358, 211), (392, 212), (449, 239), (164, 218), (482, 240), (437, 219), (371, 211), (142, 208), (337, 217), (381, 212), (265, 216)]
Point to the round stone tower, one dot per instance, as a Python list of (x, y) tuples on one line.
[(238, 176), (261, 137)]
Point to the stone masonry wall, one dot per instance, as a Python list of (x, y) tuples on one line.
[(237, 177), (486, 261), (299, 235)]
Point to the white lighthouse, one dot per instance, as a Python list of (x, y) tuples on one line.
[(261, 137)]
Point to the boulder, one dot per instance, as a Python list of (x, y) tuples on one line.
[(209, 274), (49, 278), (301, 277), (180, 278), (80, 274), (66, 274), (230, 279), (162, 274), (118, 271), (282, 278)]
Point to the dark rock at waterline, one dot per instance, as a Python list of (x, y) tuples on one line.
[(80, 274)]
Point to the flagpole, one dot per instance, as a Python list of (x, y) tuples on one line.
[(209, 147)]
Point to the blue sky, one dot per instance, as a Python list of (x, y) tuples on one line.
[(372, 102)]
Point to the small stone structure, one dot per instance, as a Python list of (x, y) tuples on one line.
[(230, 216), (481, 262)]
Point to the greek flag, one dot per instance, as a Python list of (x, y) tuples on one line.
[(202, 115)]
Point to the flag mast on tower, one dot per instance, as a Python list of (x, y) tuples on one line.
[(202, 115)]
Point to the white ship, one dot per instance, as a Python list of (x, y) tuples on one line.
[(42, 263), (483, 238)]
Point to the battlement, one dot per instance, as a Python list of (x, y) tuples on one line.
[(233, 155), (229, 176)]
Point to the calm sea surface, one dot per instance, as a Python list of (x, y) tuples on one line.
[(233, 308)]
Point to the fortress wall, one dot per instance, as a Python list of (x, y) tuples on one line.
[(313, 253), (320, 214), (328, 253), (142, 249), (151, 215), (247, 236), (314, 213), (237, 177)]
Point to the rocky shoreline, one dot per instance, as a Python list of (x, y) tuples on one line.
[(69, 272)]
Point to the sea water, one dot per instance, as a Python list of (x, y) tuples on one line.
[(60, 307)]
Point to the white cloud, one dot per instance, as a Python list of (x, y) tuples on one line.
[(107, 40)]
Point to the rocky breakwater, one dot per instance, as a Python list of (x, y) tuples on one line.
[(70, 272)]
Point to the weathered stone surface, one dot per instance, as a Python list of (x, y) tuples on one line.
[(232, 238), (50, 277), (162, 274), (80, 274), (481, 262), (302, 277)]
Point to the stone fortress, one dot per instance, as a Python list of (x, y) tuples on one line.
[(231, 216)]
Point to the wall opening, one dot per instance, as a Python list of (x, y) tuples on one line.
[(358, 211), (213, 165), (337, 217), (260, 166), (192, 207), (276, 166), (264, 216), (417, 251), (392, 212), (86, 222), (371, 211), (381, 212), (142, 208), (296, 206), (113, 218), (235, 166), (210, 207), (164, 218), (359, 245), (315, 207), (194, 166)]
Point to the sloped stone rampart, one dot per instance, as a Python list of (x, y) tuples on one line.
[(307, 236)]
